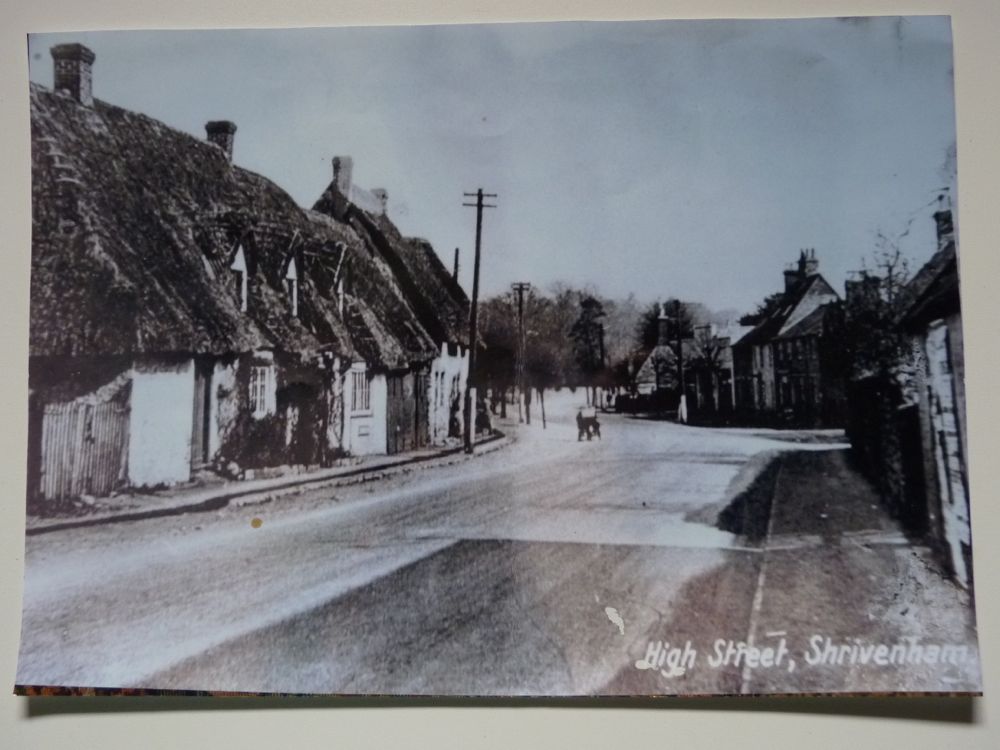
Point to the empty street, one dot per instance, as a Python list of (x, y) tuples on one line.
[(549, 567)]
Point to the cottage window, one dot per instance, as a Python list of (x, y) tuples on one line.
[(360, 391), (239, 269), (262, 391), (292, 286)]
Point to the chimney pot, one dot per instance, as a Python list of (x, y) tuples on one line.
[(945, 227), (811, 267), (221, 133), (72, 72), (343, 169)]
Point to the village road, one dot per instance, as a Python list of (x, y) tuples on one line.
[(544, 568)]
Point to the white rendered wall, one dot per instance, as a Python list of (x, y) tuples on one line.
[(444, 370), (336, 437), (380, 410), (365, 432), (223, 404), (159, 449)]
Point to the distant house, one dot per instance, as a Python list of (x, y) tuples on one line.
[(423, 394), (711, 383), (658, 377), (185, 312), (789, 368)]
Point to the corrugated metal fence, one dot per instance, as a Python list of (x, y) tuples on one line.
[(84, 448)]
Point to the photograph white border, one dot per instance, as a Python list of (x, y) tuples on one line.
[(792, 723)]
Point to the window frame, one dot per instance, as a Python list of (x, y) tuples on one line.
[(261, 389), (361, 392)]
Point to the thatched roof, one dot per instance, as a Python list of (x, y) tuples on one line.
[(384, 329), (411, 265), (135, 226), (933, 291)]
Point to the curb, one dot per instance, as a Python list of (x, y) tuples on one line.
[(239, 497)]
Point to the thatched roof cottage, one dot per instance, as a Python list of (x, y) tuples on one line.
[(412, 268), (185, 312)]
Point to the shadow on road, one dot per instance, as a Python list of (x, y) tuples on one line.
[(750, 511)]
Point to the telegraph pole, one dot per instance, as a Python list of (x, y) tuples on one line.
[(600, 331), (520, 288), (682, 404), (470, 421)]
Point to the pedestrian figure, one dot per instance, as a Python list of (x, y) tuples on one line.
[(587, 424), (454, 423), (482, 416)]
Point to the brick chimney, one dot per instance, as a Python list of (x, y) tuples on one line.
[(945, 224), (222, 134), (343, 169), (810, 266), (71, 63)]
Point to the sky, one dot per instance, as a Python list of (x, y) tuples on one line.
[(689, 159)]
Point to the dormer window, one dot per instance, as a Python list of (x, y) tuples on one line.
[(292, 286), (240, 280)]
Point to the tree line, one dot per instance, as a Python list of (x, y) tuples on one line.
[(576, 337)]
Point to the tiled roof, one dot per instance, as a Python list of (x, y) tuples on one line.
[(775, 324)]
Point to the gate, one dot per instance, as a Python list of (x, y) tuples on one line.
[(202, 414), (422, 423), (84, 449), (400, 413)]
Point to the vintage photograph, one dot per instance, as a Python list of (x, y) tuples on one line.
[(550, 359)]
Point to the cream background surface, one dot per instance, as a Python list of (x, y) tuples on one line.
[(342, 722)]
